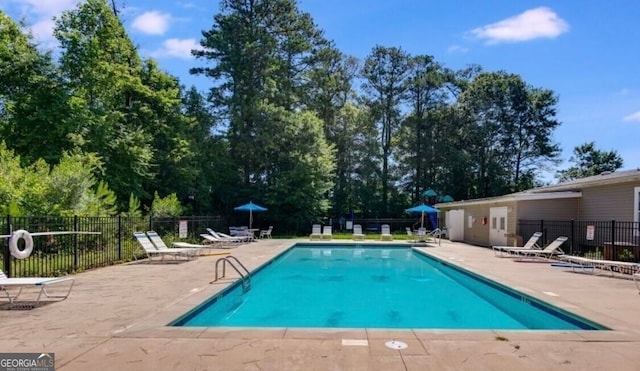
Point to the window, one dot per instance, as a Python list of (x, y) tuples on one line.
[(636, 209)]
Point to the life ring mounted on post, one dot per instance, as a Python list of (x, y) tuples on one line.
[(28, 244)]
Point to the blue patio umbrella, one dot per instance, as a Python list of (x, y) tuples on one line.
[(423, 209), (251, 208)]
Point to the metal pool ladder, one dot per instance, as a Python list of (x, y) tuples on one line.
[(244, 273)]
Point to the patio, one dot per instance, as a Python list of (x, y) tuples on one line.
[(115, 319)]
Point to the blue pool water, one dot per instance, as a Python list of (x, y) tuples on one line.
[(389, 287)]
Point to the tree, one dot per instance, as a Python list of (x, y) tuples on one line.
[(35, 114), (385, 72), (419, 154), (590, 161), (260, 53), (508, 131)]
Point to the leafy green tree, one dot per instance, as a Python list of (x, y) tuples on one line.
[(590, 161), (330, 95), (35, 114), (103, 71), (260, 52), (68, 188), (166, 206), (418, 153), (508, 130), (385, 73)]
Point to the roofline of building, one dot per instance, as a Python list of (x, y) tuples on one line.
[(592, 181), (512, 198)]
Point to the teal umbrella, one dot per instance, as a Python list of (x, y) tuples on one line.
[(446, 198), (423, 209), (429, 193), (251, 208)]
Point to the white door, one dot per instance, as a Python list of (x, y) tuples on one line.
[(455, 225), (498, 226)]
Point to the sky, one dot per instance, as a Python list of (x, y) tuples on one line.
[(587, 52)]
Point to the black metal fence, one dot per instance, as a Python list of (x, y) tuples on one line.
[(57, 253), (610, 240)]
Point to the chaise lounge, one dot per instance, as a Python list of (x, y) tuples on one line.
[(38, 282), (551, 250), (532, 243), (151, 251)]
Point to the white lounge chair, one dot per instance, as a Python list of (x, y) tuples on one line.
[(151, 251), (532, 243), (612, 266), (187, 248), (327, 232), (266, 233), (385, 233), (40, 283), (222, 240), (238, 238), (215, 242), (357, 233), (316, 232), (552, 249)]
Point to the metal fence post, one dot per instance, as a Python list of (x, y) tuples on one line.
[(614, 248), (573, 237), (119, 237), (6, 252), (75, 243)]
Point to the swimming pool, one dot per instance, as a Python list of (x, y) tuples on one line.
[(375, 287)]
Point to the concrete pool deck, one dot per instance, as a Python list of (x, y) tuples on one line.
[(115, 319)]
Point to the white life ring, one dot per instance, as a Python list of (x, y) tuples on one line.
[(28, 244)]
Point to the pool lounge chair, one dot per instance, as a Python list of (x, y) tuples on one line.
[(36, 282), (187, 248), (222, 240), (357, 233), (151, 251), (551, 250), (327, 232), (316, 232), (582, 264), (216, 242), (225, 237), (385, 233), (532, 243)]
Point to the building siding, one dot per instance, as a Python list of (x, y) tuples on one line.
[(558, 209), (612, 202)]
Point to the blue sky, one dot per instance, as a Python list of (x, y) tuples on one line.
[(587, 52)]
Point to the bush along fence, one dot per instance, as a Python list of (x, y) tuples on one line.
[(62, 248), (609, 240)]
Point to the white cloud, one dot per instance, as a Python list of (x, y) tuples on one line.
[(177, 48), (634, 117), (38, 15), (532, 24), (457, 49), (44, 8), (153, 23)]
